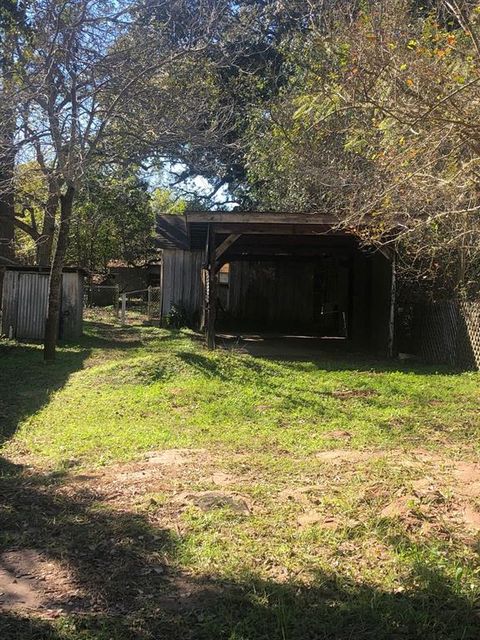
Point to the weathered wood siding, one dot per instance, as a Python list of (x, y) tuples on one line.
[(25, 300), (272, 294), (72, 306), (181, 280), (291, 295)]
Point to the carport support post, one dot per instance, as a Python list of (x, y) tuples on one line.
[(211, 290), (393, 297)]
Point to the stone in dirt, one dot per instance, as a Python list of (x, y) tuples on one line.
[(472, 518), (208, 500), (314, 517), (172, 456), (222, 479)]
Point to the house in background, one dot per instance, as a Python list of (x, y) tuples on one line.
[(273, 272), (131, 278)]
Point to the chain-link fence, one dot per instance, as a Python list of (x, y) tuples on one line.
[(143, 303), (102, 297), (127, 306), (444, 332)]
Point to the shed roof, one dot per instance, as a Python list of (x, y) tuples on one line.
[(38, 269), (189, 230)]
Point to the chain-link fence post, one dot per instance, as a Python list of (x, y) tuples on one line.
[(123, 308), (116, 301)]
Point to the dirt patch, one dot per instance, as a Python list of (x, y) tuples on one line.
[(173, 457), (339, 434), (467, 472), (222, 479), (401, 507), (345, 455), (315, 518), (301, 495), (324, 521), (471, 518), (155, 473), (32, 581), (209, 500)]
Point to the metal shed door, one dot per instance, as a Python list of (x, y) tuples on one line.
[(32, 299)]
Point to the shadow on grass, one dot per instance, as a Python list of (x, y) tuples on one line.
[(27, 383), (127, 583), (326, 354)]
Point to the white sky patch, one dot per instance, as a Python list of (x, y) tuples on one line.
[(197, 185)]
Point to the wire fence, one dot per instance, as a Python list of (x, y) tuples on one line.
[(126, 305), (444, 332)]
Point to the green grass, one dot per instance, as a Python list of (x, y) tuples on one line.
[(122, 392), (163, 389)]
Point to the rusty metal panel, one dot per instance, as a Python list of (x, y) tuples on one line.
[(32, 302), (25, 304)]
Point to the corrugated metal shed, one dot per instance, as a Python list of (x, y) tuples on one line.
[(25, 301)]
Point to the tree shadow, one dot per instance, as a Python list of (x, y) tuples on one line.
[(27, 383), (129, 583)]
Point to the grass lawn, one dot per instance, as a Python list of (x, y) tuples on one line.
[(151, 489)]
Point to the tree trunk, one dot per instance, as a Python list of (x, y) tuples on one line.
[(45, 241), (7, 211), (55, 284), (7, 153)]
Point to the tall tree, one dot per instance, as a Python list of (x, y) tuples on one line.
[(83, 68), (10, 20), (378, 125)]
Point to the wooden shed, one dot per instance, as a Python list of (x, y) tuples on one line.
[(275, 272), (25, 302)]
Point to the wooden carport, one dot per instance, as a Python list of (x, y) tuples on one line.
[(226, 237)]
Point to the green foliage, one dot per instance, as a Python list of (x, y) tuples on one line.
[(112, 220), (163, 202), (372, 127)]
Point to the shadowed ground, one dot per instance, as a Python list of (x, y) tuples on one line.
[(151, 489)]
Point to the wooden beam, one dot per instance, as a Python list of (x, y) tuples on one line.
[(252, 253), (387, 252), (273, 229), (220, 250), (249, 217)]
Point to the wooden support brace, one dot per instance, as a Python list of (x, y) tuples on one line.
[(220, 250)]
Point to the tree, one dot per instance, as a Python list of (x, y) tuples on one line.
[(112, 220), (11, 20), (378, 125), (83, 68)]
